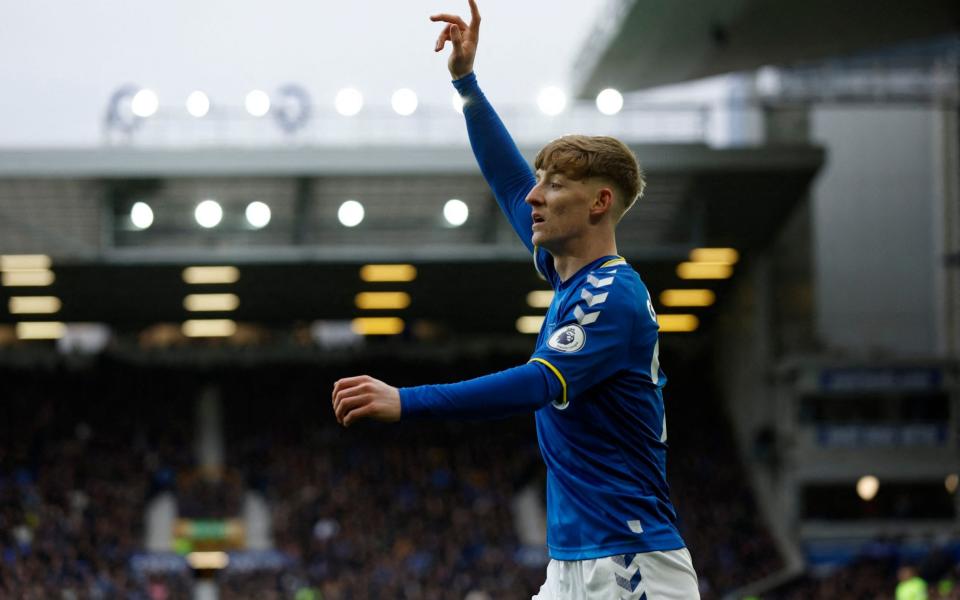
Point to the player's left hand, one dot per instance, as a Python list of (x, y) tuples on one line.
[(364, 397)]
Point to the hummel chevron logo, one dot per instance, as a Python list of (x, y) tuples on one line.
[(585, 318), (593, 298), (599, 283), (628, 576)]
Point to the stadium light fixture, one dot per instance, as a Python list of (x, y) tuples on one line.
[(145, 103), (40, 330), (456, 212), (950, 482), (24, 262), (540, 298), (727, 256), (209, 560), (704, 270), (530, 324), (674, 298), (257, 103), (209, 328), (867, 487), (258, 214), (767, 81), (678, 323), (27, 278), (609, 101), (141, 215), (382, 300), (211, 275), (211, 302), (457, 101), (34, 305), (404, 102), (388, 273), (552, 101), (208, 214), (198, 104), (350, 213), (377, 325), (348, 102)]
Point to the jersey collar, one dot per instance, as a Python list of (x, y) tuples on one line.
[(611, 260)]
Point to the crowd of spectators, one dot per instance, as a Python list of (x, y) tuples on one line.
[(422, 510), (419, 511), (380, 511), (873, 578), (80, 452)]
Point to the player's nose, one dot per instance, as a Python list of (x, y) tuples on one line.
[(534, 197)]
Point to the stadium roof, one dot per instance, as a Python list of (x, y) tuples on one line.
[(306, 268), (647, 43)]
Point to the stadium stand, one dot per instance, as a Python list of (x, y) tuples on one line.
[(416, 511)]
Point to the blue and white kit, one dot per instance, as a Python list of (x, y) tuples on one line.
[(594, 382)]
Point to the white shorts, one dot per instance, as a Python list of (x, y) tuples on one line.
[(644, 576)]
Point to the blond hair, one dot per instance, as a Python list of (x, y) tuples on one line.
[(582, 156)]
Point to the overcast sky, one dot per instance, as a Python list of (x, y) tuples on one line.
[(61, 60)]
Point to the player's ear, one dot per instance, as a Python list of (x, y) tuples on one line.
[(603, 200)]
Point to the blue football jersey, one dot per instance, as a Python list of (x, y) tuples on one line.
[(604, 439)]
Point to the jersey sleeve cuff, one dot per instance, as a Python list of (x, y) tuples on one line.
[(410, 405), (563, 382), (466, 84)]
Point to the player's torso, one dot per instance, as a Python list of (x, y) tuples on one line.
[(605, 448)]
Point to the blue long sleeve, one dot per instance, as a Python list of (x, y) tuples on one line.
[(501, 163), (520, 389)]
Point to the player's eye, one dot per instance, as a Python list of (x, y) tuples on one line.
[(555, 186)]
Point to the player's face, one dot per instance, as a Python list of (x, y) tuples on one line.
[(561, 209)]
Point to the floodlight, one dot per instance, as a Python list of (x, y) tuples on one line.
[(208, 214), (609, 101), (350, 213), (678, 323), (348, 102), (145, 103), (540, 298), (377, 325), (404, 102), (258, 214), (257, 103), (867, 487), (552, 101), (34, 305), (456, 212), (141, 215), (382, 273), (530, 324), (198, 104)]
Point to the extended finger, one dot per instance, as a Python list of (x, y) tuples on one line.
[(474, 17), (454, 19), (444, 36)]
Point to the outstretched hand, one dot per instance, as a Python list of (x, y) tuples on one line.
[(364, 397), (464, 38)]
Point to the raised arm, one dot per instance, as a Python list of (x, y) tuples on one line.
[(501, 163)]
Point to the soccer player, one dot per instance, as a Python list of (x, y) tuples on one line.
[(594, 380)]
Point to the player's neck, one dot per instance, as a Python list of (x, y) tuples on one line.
[(567, 261)]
